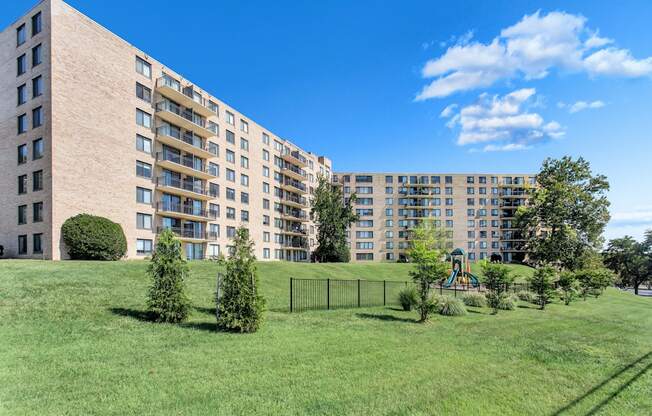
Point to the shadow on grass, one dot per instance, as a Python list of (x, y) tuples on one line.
[(207, 311), (528, 307), (479, 312), (393, 308), (143, 316), (622, 385), (384, 317)]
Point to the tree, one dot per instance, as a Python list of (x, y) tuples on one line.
[(629, 259), (496, 277), (240, 307), (167, 269), (88, 237), (427, 253), (569, 286), (542, 284), (594, 280), (566, 214), (333, 215)]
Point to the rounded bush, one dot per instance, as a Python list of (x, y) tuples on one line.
[(527, 296), (89, 237), (507, 303), (408, 298), (475, 299), (449, 306)]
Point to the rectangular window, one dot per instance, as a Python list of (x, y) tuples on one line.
[(37, 117), (22, 154), (143, 221), (143, 247), (143, 67), (230, 118), (22, 123), (37, 212), (244, 180), (230, 156), (143, 119), (143, 144), (364, 256), (244, 162), (37, 55), (21, 93), (22, 184), (22, 214), (244, 144), (265, 187), (244, 126), (143, 92), (213, 107), (37, 86), (244, 216), (230, 232), (230, 175), (230, 194), (266, 253), (230, 137), (21, 65), (143, 195), (143, 169), (265, 155), (266, 138), (37, 24), (22, 244), (230, 213), (37, 247), (37, 180), (21, 35)]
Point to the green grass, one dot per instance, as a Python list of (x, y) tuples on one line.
[(71, 342)]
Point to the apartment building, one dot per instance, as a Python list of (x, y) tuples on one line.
[(476, 210), (91, 124)]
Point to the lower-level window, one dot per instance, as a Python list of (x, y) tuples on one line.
[(37, 246), (213, 250), (265, 253), (22, 244), (143, 247), (364, 256), (389, 256)]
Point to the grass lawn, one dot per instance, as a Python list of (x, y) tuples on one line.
[(73, 342)]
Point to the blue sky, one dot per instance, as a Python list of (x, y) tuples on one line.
[(366, 82)]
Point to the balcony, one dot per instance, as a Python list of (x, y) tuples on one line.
[(183, 117), (188, 142), (295, 230), (294, 172), (185, 164), (172, 89), (295, 158), (187, 234), (294, 201), (293, 186), (184, 188), (294, 215), (187, 212), (295, 244)]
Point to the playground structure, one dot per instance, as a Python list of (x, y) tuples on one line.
[(460, 270)]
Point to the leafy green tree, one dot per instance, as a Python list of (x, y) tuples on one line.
[(427, 253), (497, 278), (333, 215), (594, 281), (566, 214), (542, 284), (568, 286), (89, 237), (167, 300), (240, 307), (629, 259)]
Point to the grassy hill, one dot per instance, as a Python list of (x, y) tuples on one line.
[(73, 341)]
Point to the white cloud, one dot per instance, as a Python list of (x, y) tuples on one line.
[(531, 48), (632, 222), (448, 111), (502, 122), (584, 105)]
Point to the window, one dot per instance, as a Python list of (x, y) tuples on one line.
[(143, 221), (244, 144), (143, 119), (265, 253), (230, 175), (364, 245), (143, 92), (37, 24), (21, 35), (213, 107), (364, 234), (364, 190), (22, 154), (265, 187), (364, 256), (244, 180), (230, 156), (265, 155), (230, 137), (230, 119), (244, 216), (143, 67), (22, 244), (22, 123), (37, 246), (213, 250), (143, 247), (214, 148), (143, 169), (22, 214), (244, 162), (37, 117), (21, 65), (244, 126), (143, 195), (37, 86), (230, 194), (266, 138), (230, 232), (143, 144), (37, 56), (21, 94), (389, 212), (213, 169), (215, 230), (389, 179), (266, 171), (37, 212), (214, 127), (37, 180), (230, 213), (22, 184)]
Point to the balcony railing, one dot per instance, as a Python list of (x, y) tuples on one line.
[(175, 108), (184, 185), (298, 171), (296, 199), (299, 230), (187, 161), (186, 137), (295, 184), (300, 243), (300, 215), (189, 233), (297, 156), (186, 209)]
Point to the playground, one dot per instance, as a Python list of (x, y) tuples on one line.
[(460, 272)]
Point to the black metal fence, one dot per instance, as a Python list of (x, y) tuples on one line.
[(311, 294)]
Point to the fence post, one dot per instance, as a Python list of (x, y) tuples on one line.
[(358, 293), (328, 293), (384, 292), (291, 287), (455, 290)]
